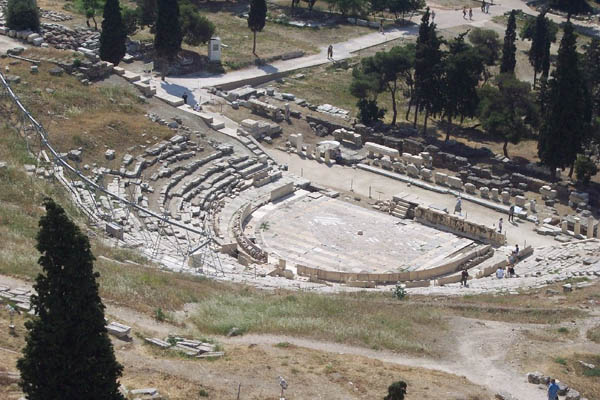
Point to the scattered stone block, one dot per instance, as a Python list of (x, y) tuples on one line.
[(109, 154), (56, 71)]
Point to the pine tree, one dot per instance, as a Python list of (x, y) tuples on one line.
[(539, 53), (114, 35), (428, 70), (567, 109), (509, 50), (257, 18), (168, 37), (68, 354)]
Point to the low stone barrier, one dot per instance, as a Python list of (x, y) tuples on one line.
[(459, 226)]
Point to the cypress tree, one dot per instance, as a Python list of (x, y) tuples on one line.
[(567, 109), (22, 15), (463, 68), (114, 35), (539, 53), (168, 37), (68, 355), (257, 18), (428, 70), (509, 50)]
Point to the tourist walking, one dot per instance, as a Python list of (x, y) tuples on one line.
[(184, 96), (432, 15), (487, 8), (470, 13), (464, 275), (500, 225), (483, 6), (381, 27), (511, 213), (553, 390), (330, 52), (465, 12), (458, 206)]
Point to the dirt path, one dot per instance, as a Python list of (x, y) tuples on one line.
[(476, 350)]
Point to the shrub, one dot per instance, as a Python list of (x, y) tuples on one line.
[(585, 169), (22, 14), (396, 391), (399, 291), (369, 112)]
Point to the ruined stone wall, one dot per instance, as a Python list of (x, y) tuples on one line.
[(459, 226)]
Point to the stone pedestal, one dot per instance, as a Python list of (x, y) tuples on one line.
[(590, 228), (564, 226), (327, 157), (505, 197), (532, 206), (287, 111), (577, 230), (494, 194), (299, 143), (309, 151), (282, 264), (484, 192)]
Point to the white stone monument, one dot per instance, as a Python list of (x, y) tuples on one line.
[(214, 49)]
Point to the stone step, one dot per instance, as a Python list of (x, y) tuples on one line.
[(170, 100), (130, 76), (217, 125)]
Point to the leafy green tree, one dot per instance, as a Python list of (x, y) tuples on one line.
[(350, 7), (463, 68), (487, 44), (509, 50), (396, 391), (403, 7), (130, 18), (168, 37), (257, 18), (22, 15), (389, 71), (147, 10), (567, 116), (428, 70), (366, 86), (113, 36), (196, 28), (67, 354), (90, 7), (509, 110), (571, 6)]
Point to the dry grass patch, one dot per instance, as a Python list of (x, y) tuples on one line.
[(92, 117), (594, 334)]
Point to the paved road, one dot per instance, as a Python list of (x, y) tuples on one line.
[(8, 43)]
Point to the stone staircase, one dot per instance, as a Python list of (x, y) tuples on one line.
[(402, 209)]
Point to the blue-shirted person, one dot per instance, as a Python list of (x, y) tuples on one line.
[(552, 390)]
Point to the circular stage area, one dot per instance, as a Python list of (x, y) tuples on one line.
[(312, 230)]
